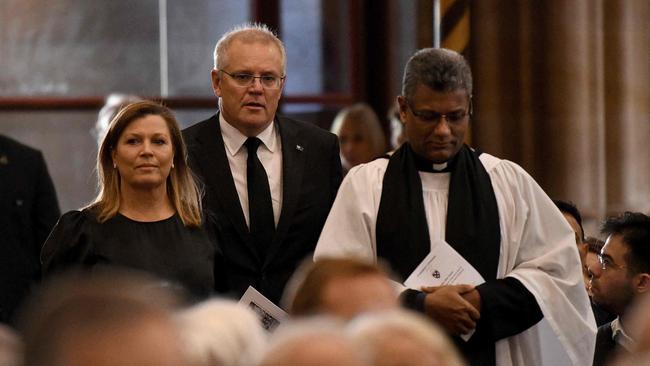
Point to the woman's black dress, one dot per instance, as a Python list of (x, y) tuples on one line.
[(166, 248)]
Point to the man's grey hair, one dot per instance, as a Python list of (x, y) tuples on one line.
[(440, 69), (247, 33)]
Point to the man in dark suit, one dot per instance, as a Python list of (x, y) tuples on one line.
[(267, 227), (621, 276), (28, 211)]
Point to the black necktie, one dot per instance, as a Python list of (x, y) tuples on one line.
[(260, 208)]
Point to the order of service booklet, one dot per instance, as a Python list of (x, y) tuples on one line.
[(444, 266), (270, 315)]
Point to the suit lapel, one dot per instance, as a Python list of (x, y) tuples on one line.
[(293, 161), (216, 172)]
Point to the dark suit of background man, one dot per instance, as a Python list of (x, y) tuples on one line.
[(300, 160), (28, 211)]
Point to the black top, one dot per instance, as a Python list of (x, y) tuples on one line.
[(166, 248)]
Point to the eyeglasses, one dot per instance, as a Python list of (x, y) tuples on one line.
[(605, 263), (434, 117), (245, 80)]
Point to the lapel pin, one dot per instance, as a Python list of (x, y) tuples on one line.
[(299, 148), (4, 160)]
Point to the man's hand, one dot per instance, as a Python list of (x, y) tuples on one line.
[(448, 306)]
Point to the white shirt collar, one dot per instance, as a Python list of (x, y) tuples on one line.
[(234, 139), (439, 167), (619, 336)]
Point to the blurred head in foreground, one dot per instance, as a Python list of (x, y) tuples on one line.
[(313, 342), (221, 332), (400, 337), (339, 287), (108, 318)]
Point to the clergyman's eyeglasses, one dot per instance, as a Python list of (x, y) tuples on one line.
[(434, 117)]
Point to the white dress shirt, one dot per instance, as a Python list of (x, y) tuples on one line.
[(269, 153), (620, 336)]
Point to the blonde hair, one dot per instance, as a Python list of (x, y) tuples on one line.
[(366, 120), (182, 190), (247, 33)]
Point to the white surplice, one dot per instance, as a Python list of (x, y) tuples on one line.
[(537, 248)]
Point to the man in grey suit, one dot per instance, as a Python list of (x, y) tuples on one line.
[(269, 205)]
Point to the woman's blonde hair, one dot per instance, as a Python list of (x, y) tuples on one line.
[(182, 189)]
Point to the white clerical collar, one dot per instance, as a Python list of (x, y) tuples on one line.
[(440, 167), (620, 337), (234, 139)]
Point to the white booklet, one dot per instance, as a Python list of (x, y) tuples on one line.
[(270, 315), (444, 266)]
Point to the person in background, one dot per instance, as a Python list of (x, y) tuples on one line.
[(574, 219), (360, 135), (397, 135), (594, 246), (147, 215), (270, 180), (621, 276), (114, 102), (488, 210), (28, 210), (339, 287)]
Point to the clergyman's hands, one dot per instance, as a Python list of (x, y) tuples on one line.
[(447, 306)]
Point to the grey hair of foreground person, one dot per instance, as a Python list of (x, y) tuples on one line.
[(221, 332), (313, 341), (398, 337)]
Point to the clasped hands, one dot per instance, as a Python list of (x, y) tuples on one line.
[(456, 308)]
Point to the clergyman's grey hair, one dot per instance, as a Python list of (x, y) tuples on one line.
[(440, 69)]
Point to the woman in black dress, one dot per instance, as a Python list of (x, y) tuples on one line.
[(147, 215)]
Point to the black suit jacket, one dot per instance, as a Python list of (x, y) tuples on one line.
[(311, 177), (605, 345), (28, 211)]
